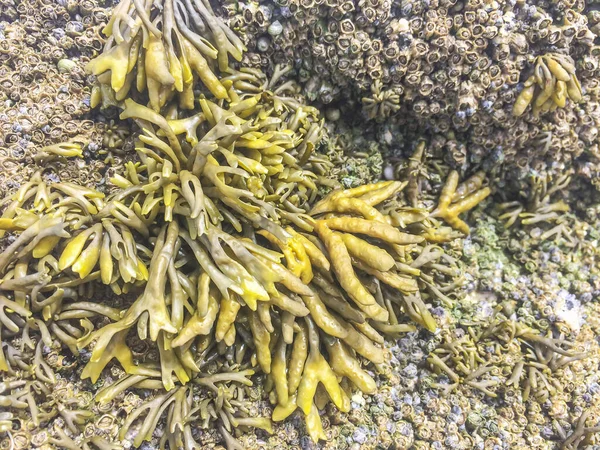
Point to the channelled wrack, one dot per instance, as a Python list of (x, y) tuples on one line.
[(230, 259), (552, 83), (162, 48), (303, 291)]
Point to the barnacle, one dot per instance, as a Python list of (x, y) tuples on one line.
[(553, 81), (428, 68)]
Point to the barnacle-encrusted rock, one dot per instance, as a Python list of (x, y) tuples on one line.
[(219, 250), (451, 74), (42, 102)]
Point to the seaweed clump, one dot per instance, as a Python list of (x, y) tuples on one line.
[(215, 239), (467, 360), (541, 209), (217, 234), (553, 81), (162, 49), (210, 272)]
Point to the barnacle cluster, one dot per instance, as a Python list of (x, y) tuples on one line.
[(43, 86), (452, 71)]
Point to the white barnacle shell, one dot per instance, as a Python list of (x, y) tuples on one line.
[(403, 26), (388, 172)]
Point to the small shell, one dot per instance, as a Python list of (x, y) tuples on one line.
[(66, 65), (275, 29), (263, 44), (332, 114)]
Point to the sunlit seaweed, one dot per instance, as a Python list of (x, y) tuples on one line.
[(208, 266), (553, 81), (162, 48)]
